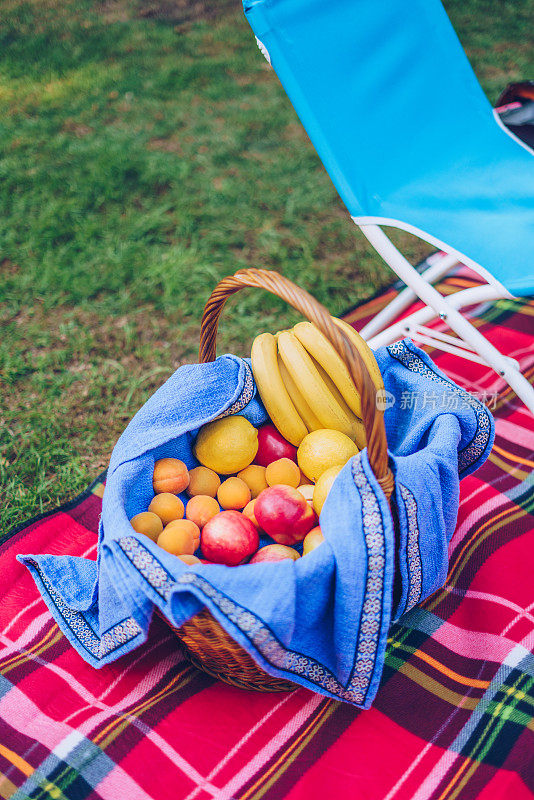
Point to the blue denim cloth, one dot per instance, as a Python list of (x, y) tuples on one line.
[(320, 621)]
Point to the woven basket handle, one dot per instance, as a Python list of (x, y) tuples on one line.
[(315, 312)]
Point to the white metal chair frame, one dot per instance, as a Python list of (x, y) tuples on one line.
[(471, 344)]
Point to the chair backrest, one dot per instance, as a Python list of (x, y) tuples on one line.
[(394, 109)]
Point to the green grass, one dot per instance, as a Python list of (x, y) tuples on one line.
[(141, 161)]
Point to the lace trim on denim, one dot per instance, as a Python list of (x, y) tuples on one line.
[(474, 450), (413, 553), (97, 646), (244, 398)]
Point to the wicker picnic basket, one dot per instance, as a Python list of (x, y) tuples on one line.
[(207, 644)]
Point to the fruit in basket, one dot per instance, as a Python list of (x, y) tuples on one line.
[(233, 494), (201, 508), (367, 355), (323, 449), (188, 559), (229, 538), (356, 431), (304, 480), (274, 552), (306, 491), (147, 523), (254, 477), (324, 353), (272, 446), (167, 506), (283, 513), (248, 512), (310, 517), (304, 371), (303, 405), (227, 445), (203, 481), (273, 393), (304, 383), (313, 539), (323, 486), (283, 471), (181, 537), (170, 475)]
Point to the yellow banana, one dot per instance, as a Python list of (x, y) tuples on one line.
[(272, 391), (357, 428), (325, 354), (305, 375), (360, 439), (368, 357), (301, 404)]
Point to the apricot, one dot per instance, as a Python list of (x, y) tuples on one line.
[(148, 523), (283, 471), (187, 559), (170, 475), (254, 477), (312, 540), (233, 494), (167, 506), (180, 537), (201, 508), (248, 512), (203, 480)]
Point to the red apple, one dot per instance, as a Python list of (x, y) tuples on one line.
[(274, 552), (310, 518), (284, 514), (272, 446), (229, 538)]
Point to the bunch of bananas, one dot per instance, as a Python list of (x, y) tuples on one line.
[(304, 384)]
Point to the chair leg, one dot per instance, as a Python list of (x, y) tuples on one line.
[(406, 326), (445, 309), (406, 297)]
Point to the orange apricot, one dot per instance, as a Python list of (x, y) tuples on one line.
[(201, 508), (148, 523), (233, 494), (283, 471), (170, 475), (167, 506), (248, 512), (180, 537), (188, 559), (203, 480), (254, 477)]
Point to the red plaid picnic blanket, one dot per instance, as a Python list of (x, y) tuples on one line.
[(453, 717)]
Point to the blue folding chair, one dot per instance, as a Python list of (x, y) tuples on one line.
[(390, 101)]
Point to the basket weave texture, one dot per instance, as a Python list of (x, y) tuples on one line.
[(206, 642)]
